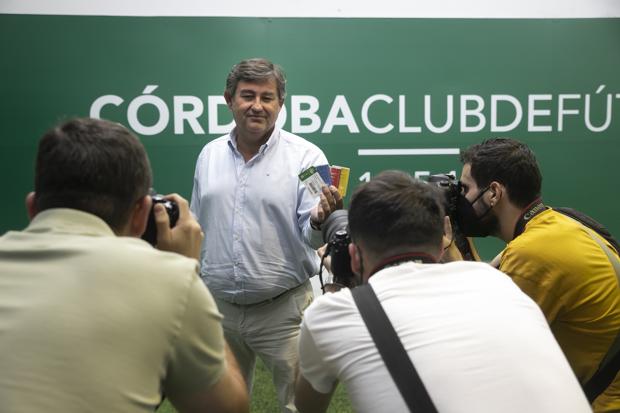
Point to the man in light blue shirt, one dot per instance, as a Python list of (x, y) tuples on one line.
[(261, 225)]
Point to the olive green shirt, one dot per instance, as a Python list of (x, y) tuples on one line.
[(94, 322)]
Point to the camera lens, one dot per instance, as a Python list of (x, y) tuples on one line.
[(337, 221)]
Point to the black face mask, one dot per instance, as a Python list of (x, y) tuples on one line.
[(470, 224)]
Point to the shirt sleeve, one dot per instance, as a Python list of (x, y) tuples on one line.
[(312, 365), (197, 359), (535, 277), (194, 205)]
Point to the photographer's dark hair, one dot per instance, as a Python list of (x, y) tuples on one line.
[(509, 162), (256, 70), (394, 210), (92, 165)]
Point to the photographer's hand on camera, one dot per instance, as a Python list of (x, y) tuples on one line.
[(185, 237), (326, 260), (330, 201), (450, 250)]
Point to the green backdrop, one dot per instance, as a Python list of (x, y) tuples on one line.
[(55, 67)]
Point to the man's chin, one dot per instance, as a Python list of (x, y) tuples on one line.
[(254, 128), (258, 127)]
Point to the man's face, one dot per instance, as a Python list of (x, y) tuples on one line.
[(482, 221), (255, 107), (469, 187)]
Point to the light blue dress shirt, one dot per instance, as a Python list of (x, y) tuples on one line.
[(256, 217)]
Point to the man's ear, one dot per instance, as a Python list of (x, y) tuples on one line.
[(31, 207), (228, 99), (447, 229), (139, 216), (497, 192), (356, 259)]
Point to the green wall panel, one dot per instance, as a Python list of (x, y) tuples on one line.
[(55, 67)]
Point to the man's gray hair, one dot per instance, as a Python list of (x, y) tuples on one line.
[(256, 70)]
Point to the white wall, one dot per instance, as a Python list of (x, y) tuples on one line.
[(322, 8)]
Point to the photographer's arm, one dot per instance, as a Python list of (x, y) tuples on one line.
[(186, 236), (450, 250), (228, 395), (457, 247), (308, 400), (314, 373), (202, 374)]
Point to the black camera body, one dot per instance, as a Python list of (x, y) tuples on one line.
[(150, 234), (451, 189), (336, 232), (336, 235)]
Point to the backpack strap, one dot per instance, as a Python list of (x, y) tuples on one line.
[(590, 223), (392, 352), (609, 367)]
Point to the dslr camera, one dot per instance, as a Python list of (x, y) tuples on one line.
[(336, 235), (150, 234), (451, 190)]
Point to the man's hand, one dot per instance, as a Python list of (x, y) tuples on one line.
[(186, 236), (327, 264), (330, 201), (327, 261), (450, 251)]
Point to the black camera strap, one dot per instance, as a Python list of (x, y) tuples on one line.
[(392, 352), (529, 212)]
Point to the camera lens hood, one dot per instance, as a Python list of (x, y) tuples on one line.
[(336, 221)]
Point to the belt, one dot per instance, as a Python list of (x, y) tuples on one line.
[(274, 298)]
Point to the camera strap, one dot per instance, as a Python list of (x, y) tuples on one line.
[(392, 352), (529, 212)]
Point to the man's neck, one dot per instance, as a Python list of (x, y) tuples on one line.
[(508, 218), (396, 257), (249, 146), (527, 213)]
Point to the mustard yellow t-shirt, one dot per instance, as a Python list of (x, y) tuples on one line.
[(558, 264)]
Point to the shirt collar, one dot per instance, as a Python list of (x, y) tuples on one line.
[(71, 221), (273, 139)]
